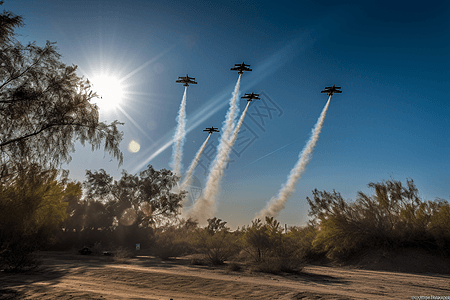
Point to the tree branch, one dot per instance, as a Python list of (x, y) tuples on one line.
[(47, 48)]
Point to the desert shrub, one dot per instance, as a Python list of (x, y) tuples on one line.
[(276, 265), (439, 225), (393, 218), (174, 240), (271, 251), (169, 243), (198, 260), (257, 241), (302, 238), (216, 242)]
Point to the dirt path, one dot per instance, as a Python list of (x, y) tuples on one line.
[(81, 277)]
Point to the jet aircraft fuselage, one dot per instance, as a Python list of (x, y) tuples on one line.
[(241, 68), (250, 97), (211, 129), (330, 90), (186, 80)]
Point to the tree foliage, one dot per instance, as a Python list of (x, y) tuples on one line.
[(31, 209), (272, 250), (44, 106), (143, 199), (393, 217)]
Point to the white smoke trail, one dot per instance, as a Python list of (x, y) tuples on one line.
[(188, 177), (232, 112), (276, 204), (179, 137), (238, 126), (205, 206)]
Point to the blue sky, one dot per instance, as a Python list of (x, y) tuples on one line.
[(391, 59)]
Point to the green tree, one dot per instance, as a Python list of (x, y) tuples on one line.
[(31, 208), (140, 200), (44, 106)]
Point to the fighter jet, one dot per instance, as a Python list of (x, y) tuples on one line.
[(186, 80), (331, 89), (211, 129), (250, 97), (241, 68)]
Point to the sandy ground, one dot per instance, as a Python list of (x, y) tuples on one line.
[(70, 276)]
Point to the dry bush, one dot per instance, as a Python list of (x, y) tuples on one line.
[(122, 255), (216, 243), (174, 240), (198, 260), (276, 265), (270, 250), (169, 244), (302, 238), (393, 218)]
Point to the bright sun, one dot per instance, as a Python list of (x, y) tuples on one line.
[(109, 90)]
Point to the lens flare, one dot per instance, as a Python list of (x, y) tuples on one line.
[(128, 217), (134, 146)]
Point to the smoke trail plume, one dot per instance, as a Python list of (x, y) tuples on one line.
[(180, 136), (276, 204), (188, 177), (232, 112), (205, 206)]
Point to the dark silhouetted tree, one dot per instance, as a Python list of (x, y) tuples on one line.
[(140, 200), (44, 106)]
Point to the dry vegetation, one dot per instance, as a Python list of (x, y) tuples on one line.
[(46, 107)]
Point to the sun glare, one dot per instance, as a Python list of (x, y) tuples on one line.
[(109, 90)]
